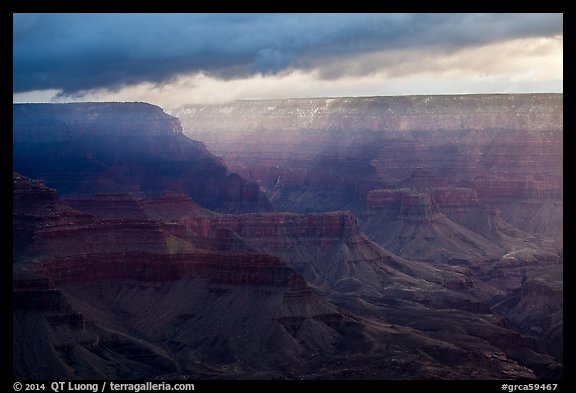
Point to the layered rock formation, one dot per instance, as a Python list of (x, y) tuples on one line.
[(451, 225), (410, 224), (35, 206), (536, 308), (403, 113), (131, 276), (328, 249), (62, 263), (327, 154), (87, 148), (196, 294), (472, 183)]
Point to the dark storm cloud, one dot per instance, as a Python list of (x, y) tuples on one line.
[(76, 52)]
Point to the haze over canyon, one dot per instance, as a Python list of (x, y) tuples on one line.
[(408, 237)]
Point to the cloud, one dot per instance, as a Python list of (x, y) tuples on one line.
[(75, 53), (516, 66)]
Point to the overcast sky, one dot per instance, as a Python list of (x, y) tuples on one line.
[(174, 59)]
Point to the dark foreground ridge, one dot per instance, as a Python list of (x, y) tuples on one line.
[(166, 289)]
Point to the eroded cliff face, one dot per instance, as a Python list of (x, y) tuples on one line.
[(87, 148), (417, 227), (536, 308), (61, 122), (78, 279), (468, 183), (403, 113), (328, 154), (161, 288)]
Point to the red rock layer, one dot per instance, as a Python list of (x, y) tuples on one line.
[(327, 154), (138, 301), (256, 269)]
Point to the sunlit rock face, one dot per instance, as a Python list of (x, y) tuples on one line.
[(327, 154), (87, 148)]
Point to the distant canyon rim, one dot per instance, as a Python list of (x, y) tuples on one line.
[(412, 237)]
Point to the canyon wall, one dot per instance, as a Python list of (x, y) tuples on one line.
[(328, 154), (86, 148), (161, 288), (411, 237), (403, 113)]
